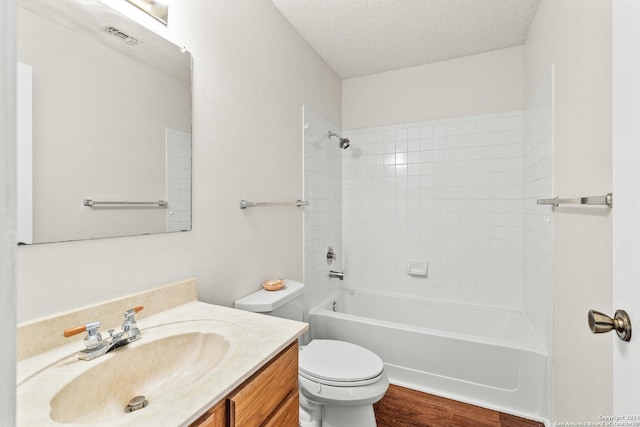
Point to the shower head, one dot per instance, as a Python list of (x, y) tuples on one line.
[(343, 142)]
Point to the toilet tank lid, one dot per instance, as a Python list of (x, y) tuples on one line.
[(264, 301)]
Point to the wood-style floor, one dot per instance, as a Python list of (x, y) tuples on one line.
[(402, 407)]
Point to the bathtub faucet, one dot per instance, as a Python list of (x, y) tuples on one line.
[(336, 274)]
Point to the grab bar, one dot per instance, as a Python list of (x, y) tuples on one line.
[(91, 203), (244, 204), (606, 200)]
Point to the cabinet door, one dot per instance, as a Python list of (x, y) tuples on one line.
[(267, 392), (288, 414), (214, 417)]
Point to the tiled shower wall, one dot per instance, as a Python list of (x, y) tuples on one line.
[(323, 216), (446, 192), (538, 226)]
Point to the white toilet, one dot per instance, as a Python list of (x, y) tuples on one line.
[(339, 381)]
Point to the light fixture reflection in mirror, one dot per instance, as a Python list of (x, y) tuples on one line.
[(158, 9)]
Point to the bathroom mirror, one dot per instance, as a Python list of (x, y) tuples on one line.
[(104, 108)]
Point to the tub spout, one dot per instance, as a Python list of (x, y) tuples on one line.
[(336, 274)]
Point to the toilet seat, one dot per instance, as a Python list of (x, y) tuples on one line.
[(339, 363)]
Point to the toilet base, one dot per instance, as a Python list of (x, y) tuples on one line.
[(352, 416), (310, 412), (313, 414)]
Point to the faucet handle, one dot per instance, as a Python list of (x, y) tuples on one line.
[(129, 323), (130, 315), (93, 338), (91, 328)]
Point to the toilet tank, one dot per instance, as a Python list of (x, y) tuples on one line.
[(288, 302)]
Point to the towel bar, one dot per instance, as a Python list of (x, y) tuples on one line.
[(244, 204), (90, 203), (606, 200)]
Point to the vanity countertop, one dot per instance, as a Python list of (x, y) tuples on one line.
[(43, 373)]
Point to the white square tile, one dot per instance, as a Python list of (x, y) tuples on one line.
[(401, 135), (426, 144), (414, 133), (460, 192), (401, 146), (440, 131), (389, 147)]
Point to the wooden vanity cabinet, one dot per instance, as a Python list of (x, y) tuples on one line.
[(214, 417), (268, 398)]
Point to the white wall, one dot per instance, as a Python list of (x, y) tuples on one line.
[(576, 37), (7, 211), (490, 82), (252, 74), (79, 153)]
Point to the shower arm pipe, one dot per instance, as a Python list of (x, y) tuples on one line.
[(343, 142), (606, 200), (245, 204)]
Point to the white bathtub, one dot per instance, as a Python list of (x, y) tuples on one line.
[(483, 356)]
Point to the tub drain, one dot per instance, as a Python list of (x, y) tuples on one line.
[(136, 403)]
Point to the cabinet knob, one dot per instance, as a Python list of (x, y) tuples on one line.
[(600, 323)]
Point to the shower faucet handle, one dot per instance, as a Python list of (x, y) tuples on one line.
[(331, 255), (600, 323)]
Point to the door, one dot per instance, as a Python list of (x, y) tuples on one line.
[(626, 210)]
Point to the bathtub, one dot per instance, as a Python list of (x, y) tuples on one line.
[(483, 356)]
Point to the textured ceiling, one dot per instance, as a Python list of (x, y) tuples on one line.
[(360, 37)]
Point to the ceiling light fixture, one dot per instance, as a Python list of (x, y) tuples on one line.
[(158, 9)]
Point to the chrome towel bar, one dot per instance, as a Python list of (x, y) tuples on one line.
[(244, 204), (90, 203), (606, 200)]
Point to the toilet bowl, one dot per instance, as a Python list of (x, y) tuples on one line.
[(345, 379), (339, 381)]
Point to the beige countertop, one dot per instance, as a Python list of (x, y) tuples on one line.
[(253, 339)]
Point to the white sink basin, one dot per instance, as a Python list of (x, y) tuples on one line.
[(165, 366), (154, 369)]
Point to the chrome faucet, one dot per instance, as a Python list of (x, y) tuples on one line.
[(129, 333), (336, 274), (95, 346)]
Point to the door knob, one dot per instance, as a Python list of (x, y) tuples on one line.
[(599, 323)]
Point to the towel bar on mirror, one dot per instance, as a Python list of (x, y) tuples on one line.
[(91, 203)]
